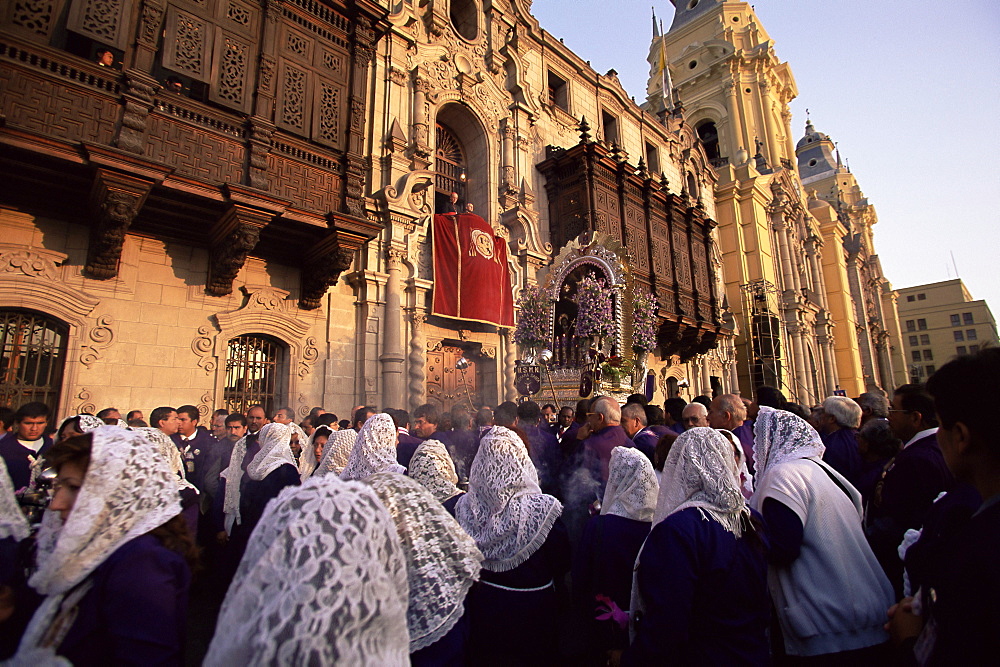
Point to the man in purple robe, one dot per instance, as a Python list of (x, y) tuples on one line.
[(634, 422), (25, 442), (543, 446), (729, 412), (606, 433), (839, 421)]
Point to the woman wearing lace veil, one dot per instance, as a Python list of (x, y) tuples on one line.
[(324, 582), (829, 591), (168, 452), (512, 610), (605, 556), (700, 586), (77, 425), (442, 562), (113, 559), (432, 466), (374, 450), (306, 458), (17, 601), (270, 470), (336, 452)]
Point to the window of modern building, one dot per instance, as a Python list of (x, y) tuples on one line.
[(558, 91), (970, 334), (921, 297), (967, 318), (910, 297), (930, 370), (911, 325), (928, 355), (922, 324), (925, 339), (955, 320), (253, 373), (915, 354), (973, 349), (610, 125), (913, 340), (32, 358), (960, 350), (652, 159), (958, 335)]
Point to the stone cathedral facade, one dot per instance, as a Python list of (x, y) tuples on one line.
[(233, 206)]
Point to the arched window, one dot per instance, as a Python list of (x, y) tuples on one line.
[(449, 164), (464, 16), (32, 358), (709, 136), (254, 372)]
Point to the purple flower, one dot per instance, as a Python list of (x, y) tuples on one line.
[(643, 320), (595, 314), (533, 305)]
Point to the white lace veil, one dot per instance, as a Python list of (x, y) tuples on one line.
[(307, 457), (127, 491), (504, 510), (167, 451), (13, 523), (442, 561), (700, 471), (433, 467), (275, 451), (743, 472), (374, 450), (780, 436), (632, 487), (338, 450), (323, 582), (86, 423), (233, 475)]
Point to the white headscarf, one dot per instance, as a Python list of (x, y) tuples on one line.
[(86, 423), (632, 486), (128, 490), (337, 451), (168, 452), (307, 457), (505, 511), (374, 450), (743, 473), (442, 561), (433, 467), (700, 471), (780, 436), (13, 523), (323, 582), (275, 452)]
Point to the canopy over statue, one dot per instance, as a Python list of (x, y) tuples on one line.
[(471, 276)]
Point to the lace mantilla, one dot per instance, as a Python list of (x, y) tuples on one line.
[(442, 561), (323, 582), (632, 486), (701, 471), (504, 511), (433, 467), (87, 423), (338, 450), (12, 520), (780, 436), (168, 452), (307, 457), (374, 450), (275, 452)]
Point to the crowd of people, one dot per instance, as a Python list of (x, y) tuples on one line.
[(720, 531)]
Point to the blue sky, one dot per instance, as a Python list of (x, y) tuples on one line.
[(910, 91)]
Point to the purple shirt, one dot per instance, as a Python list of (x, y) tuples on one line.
[(600, 444)]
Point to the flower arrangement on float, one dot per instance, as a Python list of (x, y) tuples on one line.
[(532, 330), (595, 318), (644, 307)]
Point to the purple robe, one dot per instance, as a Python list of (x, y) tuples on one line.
[(18, 458), (745, 433), (600, 444), (842, 453)]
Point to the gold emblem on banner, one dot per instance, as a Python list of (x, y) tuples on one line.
[(482, 243)]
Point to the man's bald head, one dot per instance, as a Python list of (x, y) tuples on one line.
[(727, 411)]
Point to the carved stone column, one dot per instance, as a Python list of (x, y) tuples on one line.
[(509, 356), (115, 200), (417, 360), (826, 350), (138, 95), (392, 355), (260, 133), (853, 246), (420, 146), (144, 55), (802, 384)]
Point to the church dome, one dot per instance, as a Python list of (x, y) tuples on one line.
[(811, 137)]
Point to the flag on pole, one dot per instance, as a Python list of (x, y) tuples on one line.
[(471, 276)]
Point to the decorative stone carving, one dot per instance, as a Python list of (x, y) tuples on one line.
[(28, 263), (321, 270), (417, 360), (98, 339), (260, 148), (203, 347), (236, 234), (85, 406), (310, 353), (139, 93), (115, 201), (205, 406)]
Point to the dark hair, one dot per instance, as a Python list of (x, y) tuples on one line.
[(6, 416), (315, 412), (674, 407), (159, 414), (173, 534), (141, 423), (549, 405), (32, 410), (461, 418), (704, 400), (101, 51), (654, 415), (190, 411), (103, 414), (325, 419), (131, 415), (914, 398), (967, 390), (72, 421), (429, 412), (529, 412), (663, 446), (362, 414), (262, 409), (506, 413), (795, 409), (221, 412), (582, 410), (770, 397), (321, 431), (236, 418), (637, 398), (484, 417), (288, 411), (344, 424), (878, 436)]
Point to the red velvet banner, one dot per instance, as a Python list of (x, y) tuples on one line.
[(471, 278)]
